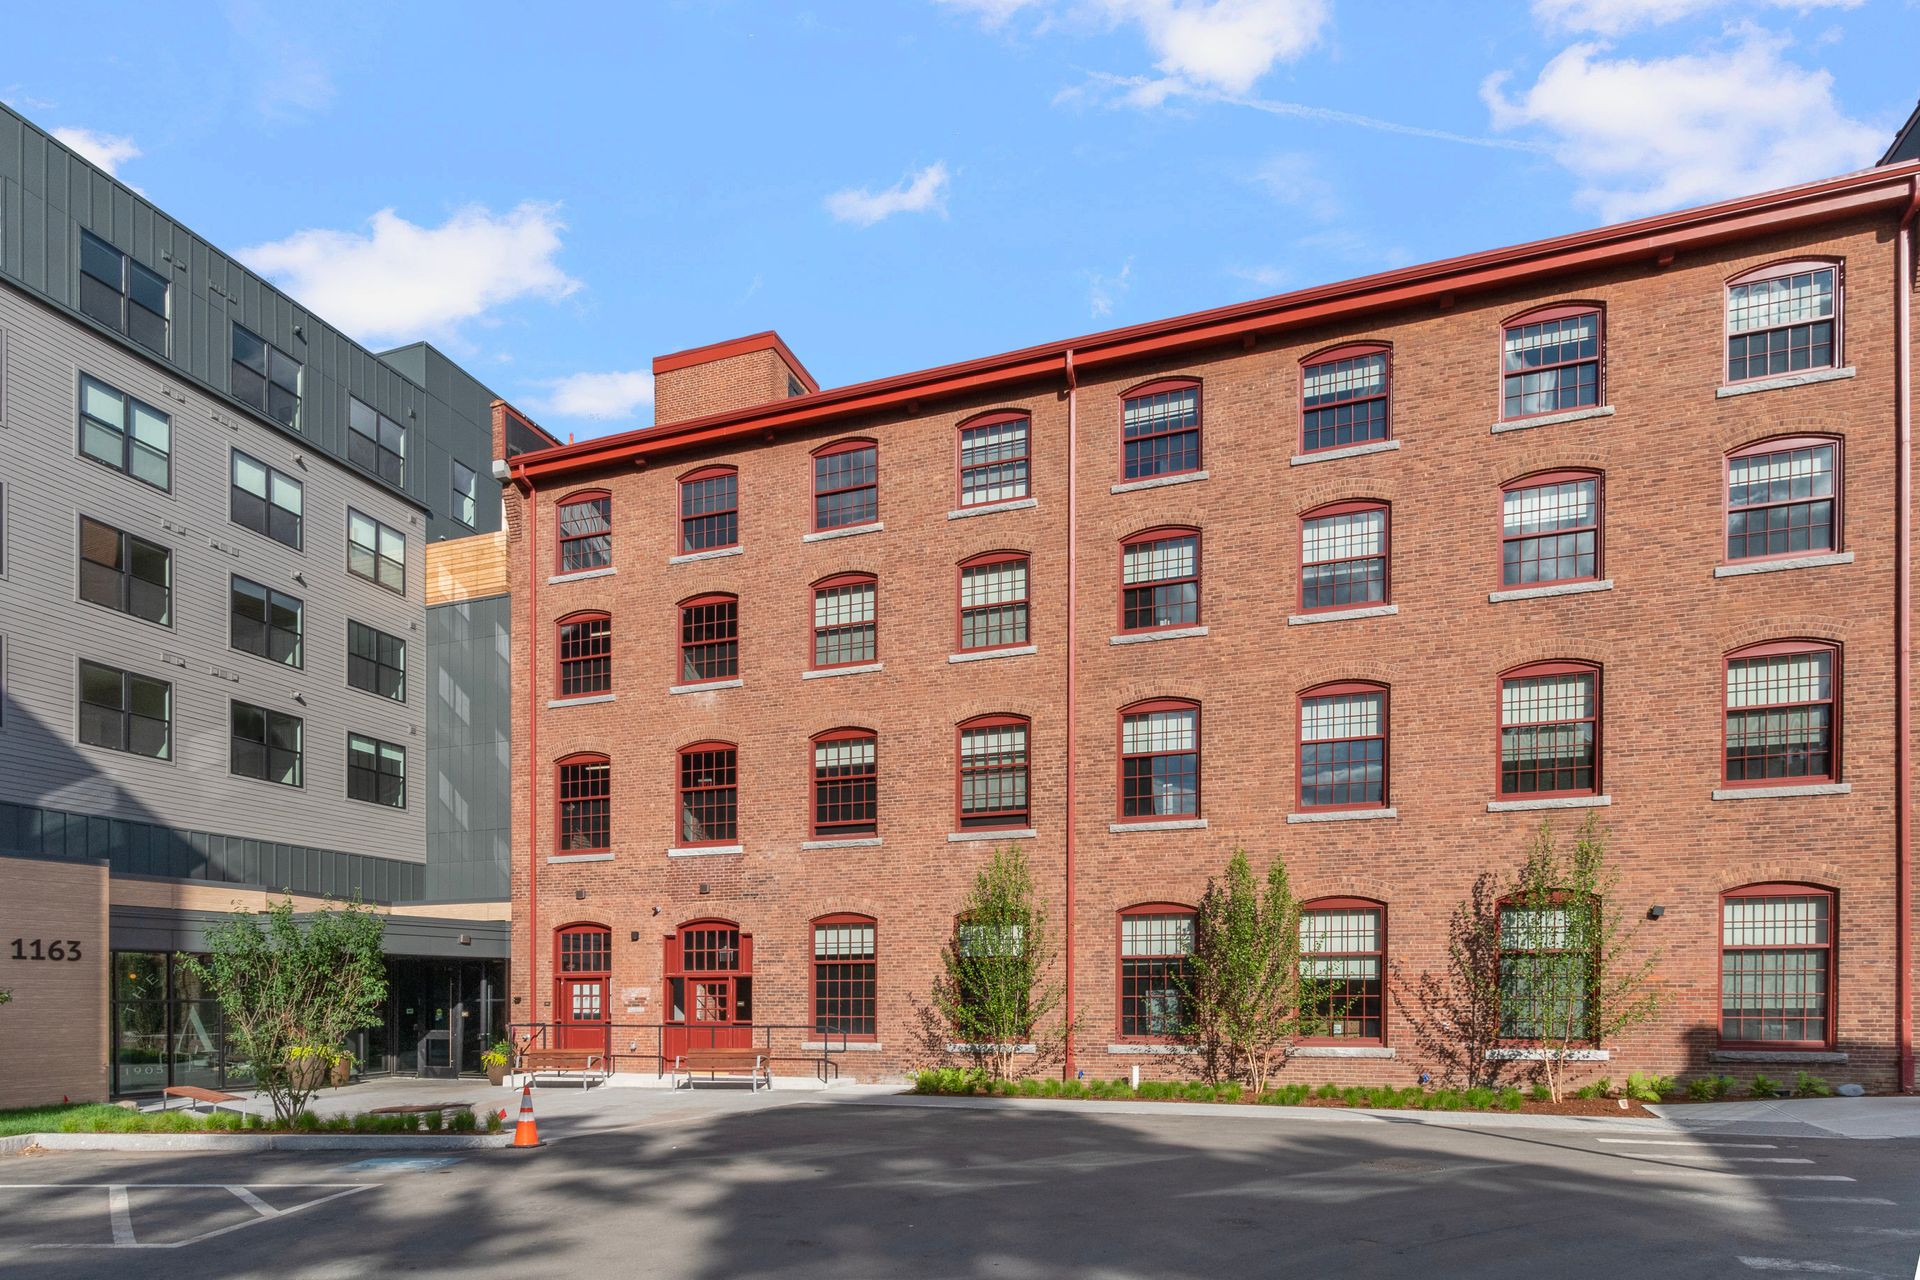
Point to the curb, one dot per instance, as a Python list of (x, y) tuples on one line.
[(254, 1142)]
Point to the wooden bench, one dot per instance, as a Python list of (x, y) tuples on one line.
[(750, 1063), (195, 1095), (562, 1062), (446, 1110)]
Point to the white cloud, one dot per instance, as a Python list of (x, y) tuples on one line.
[(1293, 179), (1612, 17), (290, 79), (1661, 133), (1267, 277), (924, 191), (107, 150), (401, 281), (1104, 291), (600, 396)]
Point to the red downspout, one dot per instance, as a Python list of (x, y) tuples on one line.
[(1073, 647), (1903, 626), (533, 743)]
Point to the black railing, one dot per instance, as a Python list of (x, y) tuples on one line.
[(639, 1042)]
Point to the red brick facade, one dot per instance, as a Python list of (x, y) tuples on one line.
[(1659, 635)]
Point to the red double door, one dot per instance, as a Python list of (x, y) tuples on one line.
[(709, 974), (583, 984)]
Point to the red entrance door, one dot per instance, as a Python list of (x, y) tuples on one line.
[(583, 969), (709, 971)]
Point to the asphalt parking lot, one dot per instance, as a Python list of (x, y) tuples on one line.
[(806, 1188)]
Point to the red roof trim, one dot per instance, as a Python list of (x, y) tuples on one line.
[(1648, 238), (766, 341)]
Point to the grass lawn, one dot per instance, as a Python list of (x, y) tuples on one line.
[(53, 1118), (100, 1117)]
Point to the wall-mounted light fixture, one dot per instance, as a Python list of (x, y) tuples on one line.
[(1654, 913)]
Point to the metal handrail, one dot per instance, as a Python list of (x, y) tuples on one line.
[(539, 1035)]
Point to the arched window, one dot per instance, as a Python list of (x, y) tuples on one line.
[(709, 793), (1345, 396), (1343, 747), (709, 639), (846, 485), (709, 509), (586, 531), (846, 784), (845, 990), (1783, 498), (1550, 730), (1550, 529), (583, 972), (992, 788), (1156, 963), (1160, 760), (583, 798), (708, 966), (1551, 361), (1160, 429), (1783, 714), (1343, 958), (993, 601), (1160, 579), (585, 654), (1777, 979), (1344, 549), (845, 612), (1547, 968), (995, 455), (1784, 318)]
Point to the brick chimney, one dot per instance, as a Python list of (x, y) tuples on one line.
[(757, 369)]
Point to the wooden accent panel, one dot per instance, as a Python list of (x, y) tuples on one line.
[(467, 568)]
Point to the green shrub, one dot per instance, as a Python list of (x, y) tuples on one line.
[(1808, 1085), (1287, 1095), (1644, 1086), (1509, 1100), (1763, 1087), (1480, 1099), (464, 1121), (494, 1122), (1709, 1088), (433, 1121), (1329, 1090), (306, 1122), (1540, 1093)]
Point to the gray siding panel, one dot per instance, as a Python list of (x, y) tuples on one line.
[(470, 816)]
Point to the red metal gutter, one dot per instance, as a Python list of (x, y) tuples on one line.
[(1903, 624), (529, 503), (1073, 668), (1647, 238)]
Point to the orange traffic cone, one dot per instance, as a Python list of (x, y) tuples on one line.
[(525, 1132)]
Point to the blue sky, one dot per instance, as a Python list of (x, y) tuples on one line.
[(556, 194)]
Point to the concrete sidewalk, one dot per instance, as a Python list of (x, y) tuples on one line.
[(1799, 1117)]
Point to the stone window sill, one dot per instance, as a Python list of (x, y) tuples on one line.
[(1344, 1051), (1345, 451), (851, 531), (591, 700), (579, 857), (1171, 824), (581, 575), (706, 686), (718, 553), (1552, 802), (861, 842), (1549, 1055), (1149, 637), (1160, 482), (991, 1048), (988, 508), (1548, 592), (706, 850), (1552, 419), (1016, 652), (1179, 1050), (1782, 382), (1781, 566), (1003, 833), (1343, 615), (1783, 793), (850, 1046), (864, 669), (1782, 1057), (1344, 815)]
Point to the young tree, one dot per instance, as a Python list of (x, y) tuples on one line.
[(995, 992), (1454, 1016), (1252, 989), (286, 985), (1569, 975)]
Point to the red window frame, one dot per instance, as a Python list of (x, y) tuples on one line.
[(1151, 588), (840, 582), (1005, 817), (590, 953), (1373, 402), (1158, 971), (1542, 480), (834, 490), (1501, 951), (583, 660), (582, 970), (583, 782), (1339, 689), (1830, 949), (709, 633), (1543, 315), (962, 609), (1533, 671), (1832, 703), (1329, 511), (1835, 498), (692, 520), (1193, 457), (856, 978), (852, 794), (1379, 1002), (720, 791), (1129, 789), (1778, 271), (962, 468), (564, 539)]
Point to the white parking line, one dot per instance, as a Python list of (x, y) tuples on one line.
[(120, 1216), (1799, 1267), (119, 1211), (255, 1203), (1674, 1171), (1671, 1142)]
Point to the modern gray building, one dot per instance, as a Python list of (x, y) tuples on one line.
[(220, 676)]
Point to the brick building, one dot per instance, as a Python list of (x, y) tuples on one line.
[(1373, 576)]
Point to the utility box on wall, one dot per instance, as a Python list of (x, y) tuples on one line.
[(54, 959)]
